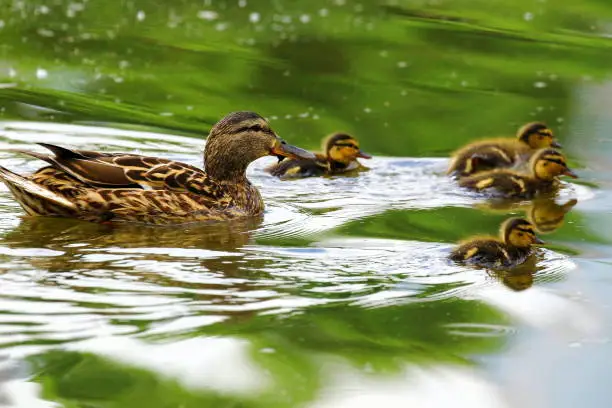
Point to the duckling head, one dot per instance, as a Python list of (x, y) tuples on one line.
[(519, 233), (343, 148), (537, 135), (239, 139), (549, 163)]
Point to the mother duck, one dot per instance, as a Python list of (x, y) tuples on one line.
[(96, 186)]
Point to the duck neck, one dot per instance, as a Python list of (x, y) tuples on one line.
[(227, 168)]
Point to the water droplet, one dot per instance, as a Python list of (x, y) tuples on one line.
[(43, 32), (41, 73), (539, 84), (140, 16), (208, 15), (254, 17)]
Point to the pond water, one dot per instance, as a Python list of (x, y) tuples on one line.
[(341, 294)]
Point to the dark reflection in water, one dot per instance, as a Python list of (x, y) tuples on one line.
[(341, 295)]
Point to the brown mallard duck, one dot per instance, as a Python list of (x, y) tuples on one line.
[(513, 247), (546, 166), (490, 154), (97, 186), (341, 153)]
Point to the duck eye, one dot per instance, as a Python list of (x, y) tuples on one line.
[(256, 128)]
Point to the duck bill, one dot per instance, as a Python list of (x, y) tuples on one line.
[(570, 173), (283, 149), (556, 145), (363, 155), (538, 241)]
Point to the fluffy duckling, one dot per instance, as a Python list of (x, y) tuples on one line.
[(513, 247), (546, 166), (504, 152), (341, 153), (98, 186)]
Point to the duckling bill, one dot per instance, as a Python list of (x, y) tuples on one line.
[(513, 247), (97, 186), (341, 154), (490, 154), (546, 166)]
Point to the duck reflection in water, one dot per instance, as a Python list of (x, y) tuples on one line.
[(544, 213), (76, 240)]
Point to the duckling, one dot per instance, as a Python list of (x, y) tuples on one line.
[(341, 153), (497, 153), (513, 247), (99, 187), (546, 166)]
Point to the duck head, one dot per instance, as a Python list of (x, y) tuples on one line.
[(519, 233), (343, 148), (547, 164), (537, 135), (239, 139)]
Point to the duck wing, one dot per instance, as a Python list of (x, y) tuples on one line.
[(120, 171)]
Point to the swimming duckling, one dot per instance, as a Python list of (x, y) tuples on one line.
[(504, 152), (546, 166), (513, 247), (97, 186), (341, 153)]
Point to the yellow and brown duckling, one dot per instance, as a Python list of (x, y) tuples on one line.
[(513, 247), (490, 154), (546, 166), (99, 187), (341, 154)]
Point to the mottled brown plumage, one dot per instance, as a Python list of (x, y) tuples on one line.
[(98, 186), (491, 154), (546, 166), (341, 153), (513, 246)]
